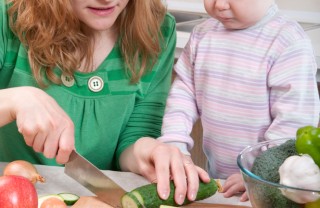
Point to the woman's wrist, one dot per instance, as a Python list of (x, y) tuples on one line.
[(7, 114)]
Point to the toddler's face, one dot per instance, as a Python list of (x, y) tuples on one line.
[(237, 14)]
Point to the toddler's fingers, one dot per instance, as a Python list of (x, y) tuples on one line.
[(244, 197), (232, 190)]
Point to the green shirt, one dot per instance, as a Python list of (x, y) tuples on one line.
[(106, 122)]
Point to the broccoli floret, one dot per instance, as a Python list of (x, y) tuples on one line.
[(266, 166)]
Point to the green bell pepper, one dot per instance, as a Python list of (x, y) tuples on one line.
[(308, 142)]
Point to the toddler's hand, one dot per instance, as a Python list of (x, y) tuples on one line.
[(234, 185)]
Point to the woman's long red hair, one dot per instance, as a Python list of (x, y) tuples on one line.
[(53, 37)]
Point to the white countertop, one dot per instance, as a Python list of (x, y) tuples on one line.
[(58, 182)]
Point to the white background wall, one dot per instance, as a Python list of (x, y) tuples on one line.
[(304, 5)]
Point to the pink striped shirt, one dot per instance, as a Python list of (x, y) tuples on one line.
[(246, 86)]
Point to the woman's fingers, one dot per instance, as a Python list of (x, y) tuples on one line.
[(168, 165), (39, 141), (203, 175), (43, 123), (195, 174), (66, 144), (190, 184), (192, 178), (161, 163), (179, 176)]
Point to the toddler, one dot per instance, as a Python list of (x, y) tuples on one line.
[(249, 74)]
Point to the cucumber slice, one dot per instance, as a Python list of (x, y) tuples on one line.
[(42, 198), (69, 198), (130, 201)]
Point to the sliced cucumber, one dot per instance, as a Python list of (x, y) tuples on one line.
[(68, 198), (147, 196), (42, 198), (130, 201)]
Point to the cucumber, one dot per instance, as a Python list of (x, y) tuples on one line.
[(68, 198), (147, 196), (44, 197)]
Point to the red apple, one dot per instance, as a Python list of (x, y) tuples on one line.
[(17, 192)]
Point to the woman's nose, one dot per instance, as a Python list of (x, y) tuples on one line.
[(222, 4)]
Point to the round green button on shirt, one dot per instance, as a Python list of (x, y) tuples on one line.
[(107, 121)]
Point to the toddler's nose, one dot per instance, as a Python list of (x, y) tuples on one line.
[(222, 4)]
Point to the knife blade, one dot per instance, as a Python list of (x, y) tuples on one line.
[(88, 175)]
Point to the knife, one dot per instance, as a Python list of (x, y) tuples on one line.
[(88, 175)]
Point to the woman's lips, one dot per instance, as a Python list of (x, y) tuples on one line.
[(102, 11)]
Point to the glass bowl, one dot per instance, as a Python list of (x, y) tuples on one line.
[(267, 193)]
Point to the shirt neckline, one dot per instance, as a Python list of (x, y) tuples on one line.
[(271, 13)]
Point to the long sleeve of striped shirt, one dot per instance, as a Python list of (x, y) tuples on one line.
[(246, 86)]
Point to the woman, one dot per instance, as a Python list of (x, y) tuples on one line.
[(89, 75)]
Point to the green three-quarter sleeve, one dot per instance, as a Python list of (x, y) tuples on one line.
[(3, 26), (146, 118), (9, 46)]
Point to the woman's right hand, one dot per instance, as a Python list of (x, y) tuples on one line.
[(42, 122)]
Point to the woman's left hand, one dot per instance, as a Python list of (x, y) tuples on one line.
[(160, 163)]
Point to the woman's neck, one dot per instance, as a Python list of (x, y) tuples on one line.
[(102, 44)]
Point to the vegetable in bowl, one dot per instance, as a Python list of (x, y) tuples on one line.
[(266, 188), (266, 166), (308, 142), (302, 172)]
